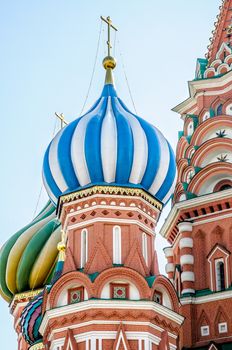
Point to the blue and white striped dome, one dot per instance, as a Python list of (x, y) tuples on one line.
[(109, 145)]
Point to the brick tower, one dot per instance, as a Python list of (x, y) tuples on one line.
[(199, 226), (108, 175)]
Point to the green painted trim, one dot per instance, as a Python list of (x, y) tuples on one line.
[(150, 280), (190, 195), (197, 169), (93, 276), (185, 185)]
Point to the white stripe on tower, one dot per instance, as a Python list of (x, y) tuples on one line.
[(140, 155), (78, 147), (109, 144), (54, 163)]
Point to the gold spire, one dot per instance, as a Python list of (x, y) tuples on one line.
[(109, 62)]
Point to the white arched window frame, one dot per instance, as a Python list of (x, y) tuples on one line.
[(190, 128), (229, 109), (206, 116), (144, 247), (220, 274), (117, 245), (84, 247)]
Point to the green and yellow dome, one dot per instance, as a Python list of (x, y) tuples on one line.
[(28, 258)]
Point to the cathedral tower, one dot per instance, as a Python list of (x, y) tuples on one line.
[(108, 175), (199, 226)]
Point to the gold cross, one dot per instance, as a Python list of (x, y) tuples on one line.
[(110, 25), (62, 120)]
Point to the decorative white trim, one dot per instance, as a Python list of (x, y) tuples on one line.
[(204, 331), (204, 85), (187, 276), (104, 322), (207, 298), (185, 227), (111, 196), (111, 220), (145, 247), (187, 259), (222, 327), (84, 247), (221, 250), (216, 261), (225, 261), (110, 304), (190, 203), (88, 336), (186, 243), (168, 251), (109, 207), (169, 267), (121, 338), (117, 245), (187, 291), (215, 218)]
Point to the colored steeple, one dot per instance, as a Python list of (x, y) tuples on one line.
[(109, 145), (222, 34)]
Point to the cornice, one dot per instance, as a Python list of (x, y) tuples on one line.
[(207, 298), (91, 305), (190, 203), (108, 190), (23, 297), (195, 85)]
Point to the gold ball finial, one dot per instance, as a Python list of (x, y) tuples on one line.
[(61, 246), (109, 62)]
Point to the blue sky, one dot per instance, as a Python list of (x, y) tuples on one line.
[(47, 54)]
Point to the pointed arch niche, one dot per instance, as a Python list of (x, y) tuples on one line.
[(219, 268)]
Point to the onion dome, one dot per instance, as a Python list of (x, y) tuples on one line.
[(28, 258), (31, 319), (109, 145), (32, 313)]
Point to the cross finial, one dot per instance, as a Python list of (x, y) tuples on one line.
[(108, 21), (62, 120)]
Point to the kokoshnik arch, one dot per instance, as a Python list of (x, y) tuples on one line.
[(84, 275)]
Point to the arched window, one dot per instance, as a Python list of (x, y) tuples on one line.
[(223, 185), (84, 247), (220, 274), (219, 110), (206, 116), (158, 298), (117, 245), (229, 109), (144, 247), (190, 128)]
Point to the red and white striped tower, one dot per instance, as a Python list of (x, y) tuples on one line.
[(199, 224), (186, 257)]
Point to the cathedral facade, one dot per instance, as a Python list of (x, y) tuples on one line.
[(84, 274)]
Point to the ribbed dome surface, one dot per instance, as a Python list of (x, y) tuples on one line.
[(31, 319), (28, 257), (109, 145)]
